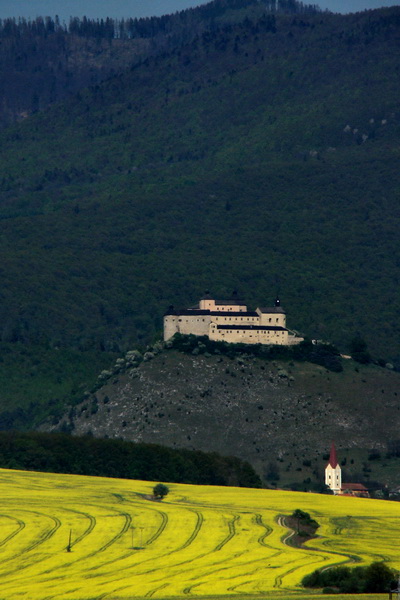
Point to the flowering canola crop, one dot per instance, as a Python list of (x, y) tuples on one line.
[(79, 538)]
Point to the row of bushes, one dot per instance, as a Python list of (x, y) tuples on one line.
[(374, 579), (325, 355)]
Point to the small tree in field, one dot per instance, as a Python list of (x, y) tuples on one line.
[(160, 491)]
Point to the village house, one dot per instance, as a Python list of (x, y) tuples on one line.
[(231, 321)]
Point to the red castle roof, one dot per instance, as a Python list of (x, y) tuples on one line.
[(332, 457)]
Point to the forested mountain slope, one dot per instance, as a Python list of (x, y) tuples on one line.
[(44, 60), (263, 156)]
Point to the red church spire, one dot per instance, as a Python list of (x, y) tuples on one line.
[(332, 457)]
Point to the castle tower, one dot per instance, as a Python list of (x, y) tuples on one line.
[(333, 472)]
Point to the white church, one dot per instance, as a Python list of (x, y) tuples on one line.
[(333, 479)]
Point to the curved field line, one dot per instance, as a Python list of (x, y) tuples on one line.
[(233, 588), (157, 589), (188, 590), (195, 532), (21, 525), (257, 519), (164, 522), (43, 538), (231, 526), (128, 521), (285, 539), (352, 525), (280, 519), (91, 526), (278, 578), (232, 531)]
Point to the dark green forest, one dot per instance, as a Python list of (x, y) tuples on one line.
[(58, 453), (259, 153), (44, 60)]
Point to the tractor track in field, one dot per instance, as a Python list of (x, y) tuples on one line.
[(257, 519), (45, 536), (161, 528), (196, 530), (233, 588), (151, 593), (164, 523), (232, 531), (88, 531), (40, 540), (113, 540), (188, 590), (21, 525), (124, 529)]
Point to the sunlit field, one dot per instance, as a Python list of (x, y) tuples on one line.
[(86, 538)]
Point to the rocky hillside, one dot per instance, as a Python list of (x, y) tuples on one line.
[(280, 416)]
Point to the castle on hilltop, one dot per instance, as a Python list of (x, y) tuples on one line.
[(231, 321)]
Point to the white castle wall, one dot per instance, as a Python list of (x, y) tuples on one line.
[(278, 319), (186, 324), (210, 304), (231, 314), (248, 336)]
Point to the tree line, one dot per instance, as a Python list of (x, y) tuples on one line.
[(61, 453), (144, 27)]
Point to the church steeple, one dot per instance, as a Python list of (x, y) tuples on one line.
[(333, 472), (332, 457)]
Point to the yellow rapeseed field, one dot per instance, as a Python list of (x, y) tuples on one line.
[(199, 541)]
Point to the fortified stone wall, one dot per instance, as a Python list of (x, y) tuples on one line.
[(249, 336), (230, 321), (186, 325)]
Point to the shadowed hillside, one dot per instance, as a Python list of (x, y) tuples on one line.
[(281, 416)]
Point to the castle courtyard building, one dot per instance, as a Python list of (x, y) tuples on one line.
[(231, 321)]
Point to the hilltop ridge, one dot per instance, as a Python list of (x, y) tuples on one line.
[(277, 415)]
